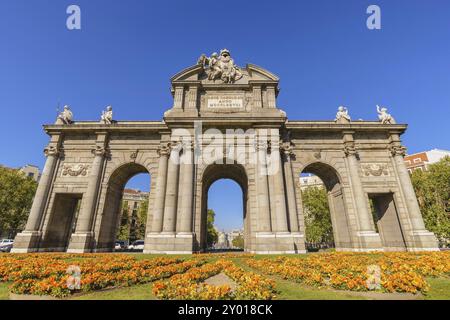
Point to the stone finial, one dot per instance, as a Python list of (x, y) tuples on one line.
[(107, 116), (65, 117), (342, 115), (220, 67), (384, 116)]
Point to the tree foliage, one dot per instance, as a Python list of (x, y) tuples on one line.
[(317, 215), (133, 224), (211, 233), (238, 242), (16, 197), (433, 193), (123, 233)]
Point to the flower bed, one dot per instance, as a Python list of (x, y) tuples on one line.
[(190, 286), (46, 274), (397, 272)]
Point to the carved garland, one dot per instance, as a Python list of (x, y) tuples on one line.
[(375, 169), (75, 170)]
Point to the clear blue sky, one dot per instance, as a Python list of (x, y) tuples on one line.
[(127, 51)]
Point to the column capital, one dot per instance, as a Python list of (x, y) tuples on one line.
[(397, 150), (262, 145), (99, 151), (287, 148), (52, 151), (175, 146), (350, 149), (188, 145), (164, 150)]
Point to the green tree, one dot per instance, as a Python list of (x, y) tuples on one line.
[(132, 227), (317, 215), (211, 233), (433, 193), (142, 220), (123, 234), (16, 197), (238, 242)]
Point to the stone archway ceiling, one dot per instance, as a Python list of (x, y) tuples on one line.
[(124, 173), (325, 172), (234, 172)]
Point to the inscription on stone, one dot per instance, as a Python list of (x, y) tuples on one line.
[(216, 102)]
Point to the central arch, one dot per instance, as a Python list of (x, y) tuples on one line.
[(213, 173), (110, 219), (336, 202)]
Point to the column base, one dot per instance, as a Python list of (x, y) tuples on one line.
[(278, 243), (27, 242), (422, 240), (81, 243), (368, 241), (169, 243)]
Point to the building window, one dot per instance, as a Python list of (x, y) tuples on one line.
[(417, 160)]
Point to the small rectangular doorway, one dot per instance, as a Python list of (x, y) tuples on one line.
[(62, 222), (387, 221)]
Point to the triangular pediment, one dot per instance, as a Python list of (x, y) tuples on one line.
[(250, 73)]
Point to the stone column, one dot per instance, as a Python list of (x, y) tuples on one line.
[(290, 188), (158, 212), (262, 189), (29, 239), (187, 185), (398, 152), (362, 210), (89, 201), (170, 210), (45, 183), (276, 168)]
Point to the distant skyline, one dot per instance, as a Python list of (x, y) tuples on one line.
[(126, 52)]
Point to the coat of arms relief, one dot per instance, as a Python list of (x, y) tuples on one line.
[(220, 67)]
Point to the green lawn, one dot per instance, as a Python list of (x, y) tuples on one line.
[(440, 289), (4, 291)]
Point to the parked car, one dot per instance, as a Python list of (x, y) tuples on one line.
[(137, 246), (120, 245), (6, 245)]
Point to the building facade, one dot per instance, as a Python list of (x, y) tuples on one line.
[(31, 171), (310, 181), (225, 123), (421, 160)]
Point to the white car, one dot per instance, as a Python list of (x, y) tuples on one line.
[(6, 245), (137, 246)]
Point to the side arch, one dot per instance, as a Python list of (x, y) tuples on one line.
[(111, 213), (336, 201)]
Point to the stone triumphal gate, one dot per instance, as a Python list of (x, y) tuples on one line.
[(77, 204)]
